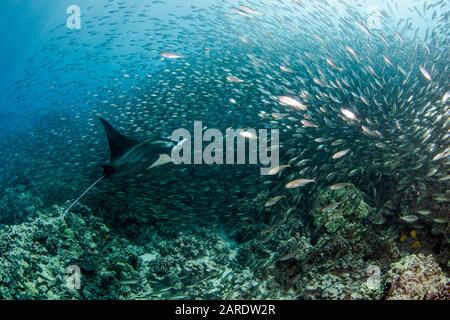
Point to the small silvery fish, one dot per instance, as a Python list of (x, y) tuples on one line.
[(441, 220), (249, 10), (171, 55), (273, 201), (340, 154), (339, 186), (288, 101), (409, 218), (349, 114), (278, 169), (288, 256), (425, 73), (234, 79), (331, 206), (299, 183)]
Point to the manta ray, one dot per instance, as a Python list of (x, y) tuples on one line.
[(129, 157)]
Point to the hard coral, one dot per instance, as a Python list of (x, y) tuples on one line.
[(335, 208), (415, 277)]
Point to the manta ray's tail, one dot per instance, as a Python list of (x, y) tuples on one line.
[(82, 195)]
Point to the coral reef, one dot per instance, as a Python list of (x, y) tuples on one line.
[(340, 224), (284, 252), (330, 254), (345, 286), (415, 277), (35, 255), (334, 209), (192, 265)]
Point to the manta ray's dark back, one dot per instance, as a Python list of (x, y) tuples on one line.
[(118, 143)]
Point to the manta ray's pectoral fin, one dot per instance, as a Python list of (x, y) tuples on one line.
[(118, 143), (162, 160)]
